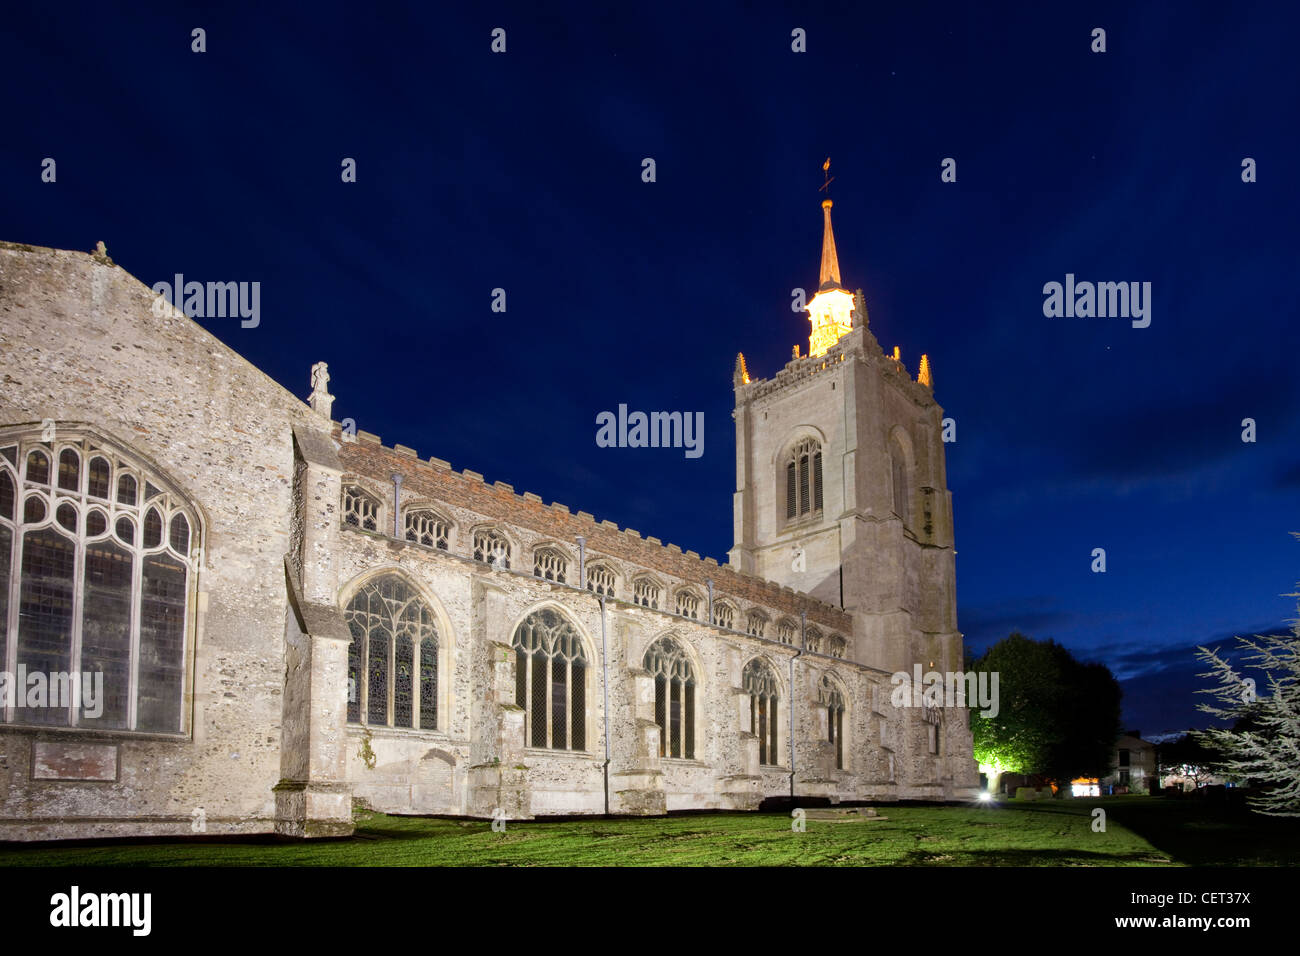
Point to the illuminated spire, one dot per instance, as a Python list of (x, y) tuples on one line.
[(830, 278), (924, 376), (831, 310)]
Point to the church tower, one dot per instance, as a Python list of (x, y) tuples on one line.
[(840, 484)]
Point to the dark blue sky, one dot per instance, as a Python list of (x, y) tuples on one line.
[(523, 171)]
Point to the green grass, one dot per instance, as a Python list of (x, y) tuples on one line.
[(1140, 832)]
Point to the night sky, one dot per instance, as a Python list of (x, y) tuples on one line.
[(523, 171)]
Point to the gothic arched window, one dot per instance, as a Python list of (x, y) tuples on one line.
[(786, 630), (427, 527), (760, 684), (550, 565), (393, 658), (551, 681), (492, 547), (757, 624), (646, 593), (360, 509), (94, 586), (803, 479), (724, 615), (812, 640), (674, 697), (600, 580), (828, 696), (688, 604)]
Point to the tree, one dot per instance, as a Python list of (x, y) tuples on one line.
[(1057, 716), (1263, 746)]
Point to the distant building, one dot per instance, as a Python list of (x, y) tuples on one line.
[(1134, 762)]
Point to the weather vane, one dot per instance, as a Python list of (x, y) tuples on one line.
[(826, 186)]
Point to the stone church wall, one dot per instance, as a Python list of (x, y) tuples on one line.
[(266, 745)]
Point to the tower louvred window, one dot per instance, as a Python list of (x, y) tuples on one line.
[(803, 480)]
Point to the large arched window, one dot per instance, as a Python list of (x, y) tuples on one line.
[(393, 658), (97, 559), (803, 479), (760, 684), (674, 697), (829, 696), (551, 681)]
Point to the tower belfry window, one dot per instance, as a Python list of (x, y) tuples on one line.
[(803, 480)]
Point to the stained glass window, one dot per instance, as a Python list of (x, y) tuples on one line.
[(667, 662), (552, 690), (95, 612), (389, 621), (760, 684)]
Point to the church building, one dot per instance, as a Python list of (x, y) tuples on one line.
[(222, 612)]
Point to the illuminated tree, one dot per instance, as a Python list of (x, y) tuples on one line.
[(1263, 748), (1057, 716)]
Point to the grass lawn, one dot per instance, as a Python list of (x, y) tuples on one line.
[(1140, 831)]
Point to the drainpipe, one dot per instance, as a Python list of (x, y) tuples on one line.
[(582, 561), (709, 582), (397, 505), (803, 640), (604, 686)]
